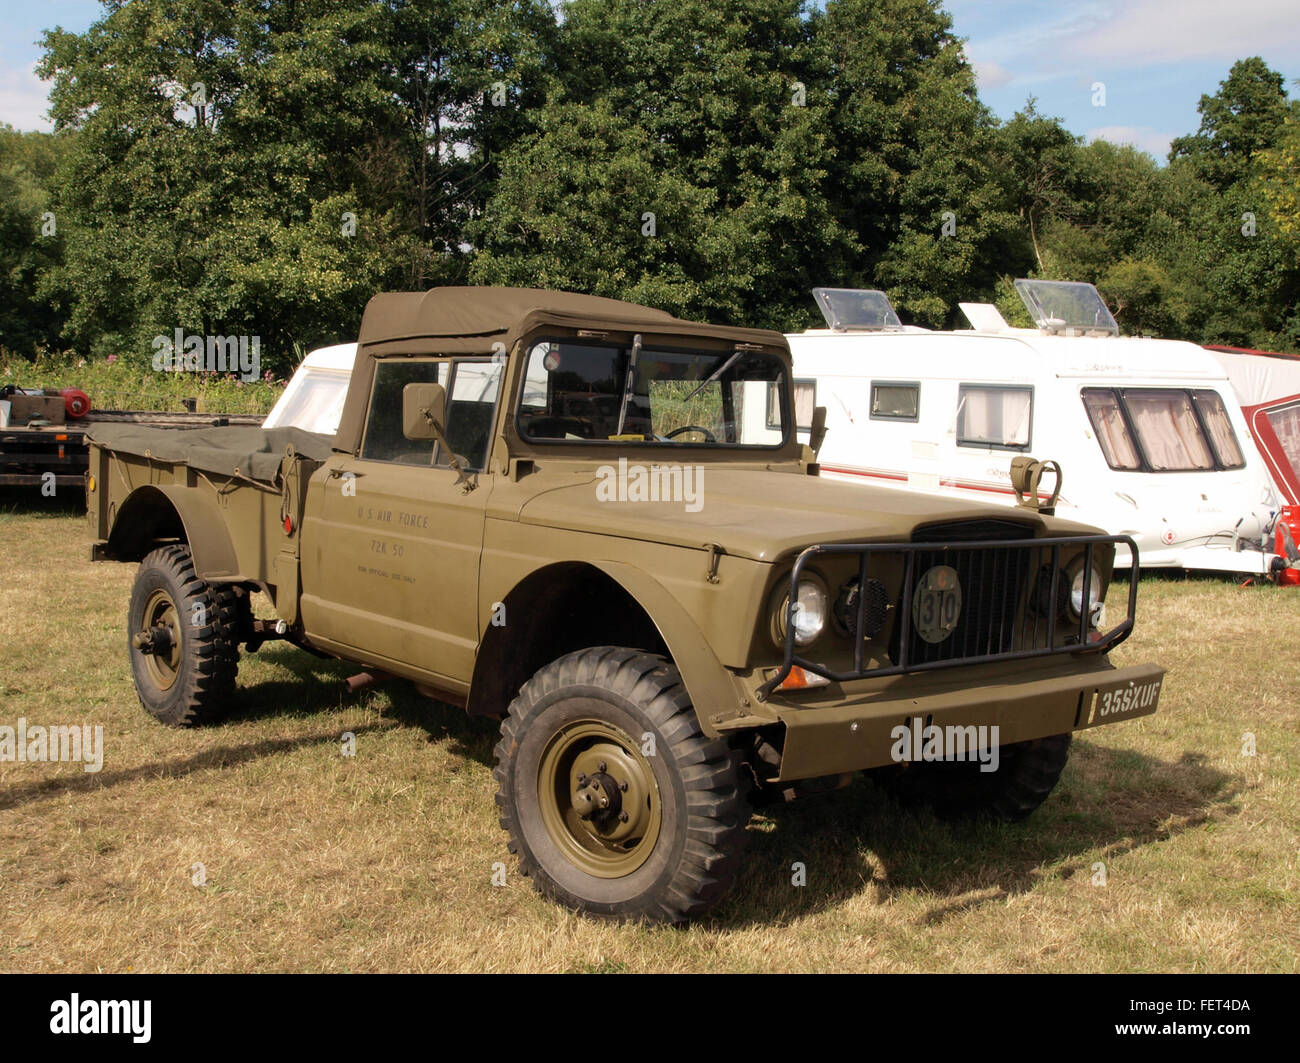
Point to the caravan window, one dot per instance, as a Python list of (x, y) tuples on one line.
[(805, 401), (990, 415), (1222, 437), (1166, 423), (1163, 429), (895, 401), (1285, 421), (1108, 423)]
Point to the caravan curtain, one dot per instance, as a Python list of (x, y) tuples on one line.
[(994, 416), (1222, 436), (1112, 433), (1170, 433)]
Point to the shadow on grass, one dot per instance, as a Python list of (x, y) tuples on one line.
[(318, 686), (175, 768), (29, 502), (1109, 803)]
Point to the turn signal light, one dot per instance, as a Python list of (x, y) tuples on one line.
[(798, 679)]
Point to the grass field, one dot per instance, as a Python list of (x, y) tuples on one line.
[(314, 861)]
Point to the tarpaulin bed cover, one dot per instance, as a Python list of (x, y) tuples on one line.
[(238, 450)]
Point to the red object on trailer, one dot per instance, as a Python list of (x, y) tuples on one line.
[(1286, 544), (76, 402)]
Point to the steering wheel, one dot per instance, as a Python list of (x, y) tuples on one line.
[(709, 437)]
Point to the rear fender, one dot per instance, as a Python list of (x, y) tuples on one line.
[(156, 512)]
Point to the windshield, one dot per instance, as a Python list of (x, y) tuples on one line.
[(596, 392)]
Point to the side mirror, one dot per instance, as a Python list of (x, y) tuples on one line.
[(817, 432), (424, 410)]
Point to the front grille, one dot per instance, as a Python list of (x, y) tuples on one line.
[(993, 587), (1014, 590)]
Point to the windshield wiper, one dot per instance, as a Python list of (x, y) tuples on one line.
[(714, 376), (629, 382)]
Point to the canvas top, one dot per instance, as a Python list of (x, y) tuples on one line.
[(471, 320)]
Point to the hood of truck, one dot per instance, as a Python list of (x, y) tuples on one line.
[(760, 514)]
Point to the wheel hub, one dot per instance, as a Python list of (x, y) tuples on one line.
[(600, 800), (159, 640)]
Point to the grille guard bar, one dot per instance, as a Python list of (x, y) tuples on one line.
[(1053, 622)]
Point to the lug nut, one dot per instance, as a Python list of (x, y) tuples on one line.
[(622, 817), (623, 786), (582, 779), (601, 766)]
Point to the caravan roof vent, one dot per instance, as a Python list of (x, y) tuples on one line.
[(984, 317), (1066, 308), (857, 310)]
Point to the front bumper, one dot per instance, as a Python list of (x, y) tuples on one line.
[(857, 731)]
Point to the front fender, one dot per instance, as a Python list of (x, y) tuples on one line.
[(714, 692)]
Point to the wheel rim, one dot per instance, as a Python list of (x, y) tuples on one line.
[(599, 799), (162, 621)]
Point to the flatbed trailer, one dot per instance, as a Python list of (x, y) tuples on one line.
[(29, 453)]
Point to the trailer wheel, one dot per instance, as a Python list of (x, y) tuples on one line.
[(614, 801), (954, 790), (182, 638)]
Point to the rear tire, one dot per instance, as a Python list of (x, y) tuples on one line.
[(615, 802), (956, 790), (185, 671)]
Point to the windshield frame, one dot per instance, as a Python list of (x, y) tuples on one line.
[(724, 350)]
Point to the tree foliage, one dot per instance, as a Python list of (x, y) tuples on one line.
[(262, 167)]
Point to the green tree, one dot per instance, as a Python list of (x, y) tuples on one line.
[(681, 158), (1242, 118), (30, 314), (913, 170), (262, 168)]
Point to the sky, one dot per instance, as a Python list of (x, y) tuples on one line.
[(1129, 71)]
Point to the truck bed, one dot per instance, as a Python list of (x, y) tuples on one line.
[(246, 451), (27, 454)]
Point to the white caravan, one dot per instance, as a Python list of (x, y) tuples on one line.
[(313, 398), (1150, 439)]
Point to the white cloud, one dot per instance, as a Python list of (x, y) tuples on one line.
[(23, 99), (1142, 137), (1157, 31), (990, 75)]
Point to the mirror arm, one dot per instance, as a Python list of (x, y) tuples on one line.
[(454, 460)]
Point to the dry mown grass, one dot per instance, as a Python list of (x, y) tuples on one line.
[(317, 862)]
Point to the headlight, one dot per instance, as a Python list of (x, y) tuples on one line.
[(1076, 592), (808, 613)]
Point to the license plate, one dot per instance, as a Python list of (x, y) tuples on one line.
[(1123, 700)]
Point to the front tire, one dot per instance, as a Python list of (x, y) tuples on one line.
[(183, 640), (955, 790), (615, 802)]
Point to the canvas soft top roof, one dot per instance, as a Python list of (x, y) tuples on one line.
[(471, 320)]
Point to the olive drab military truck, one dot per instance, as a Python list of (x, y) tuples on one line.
[(594, 521)]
